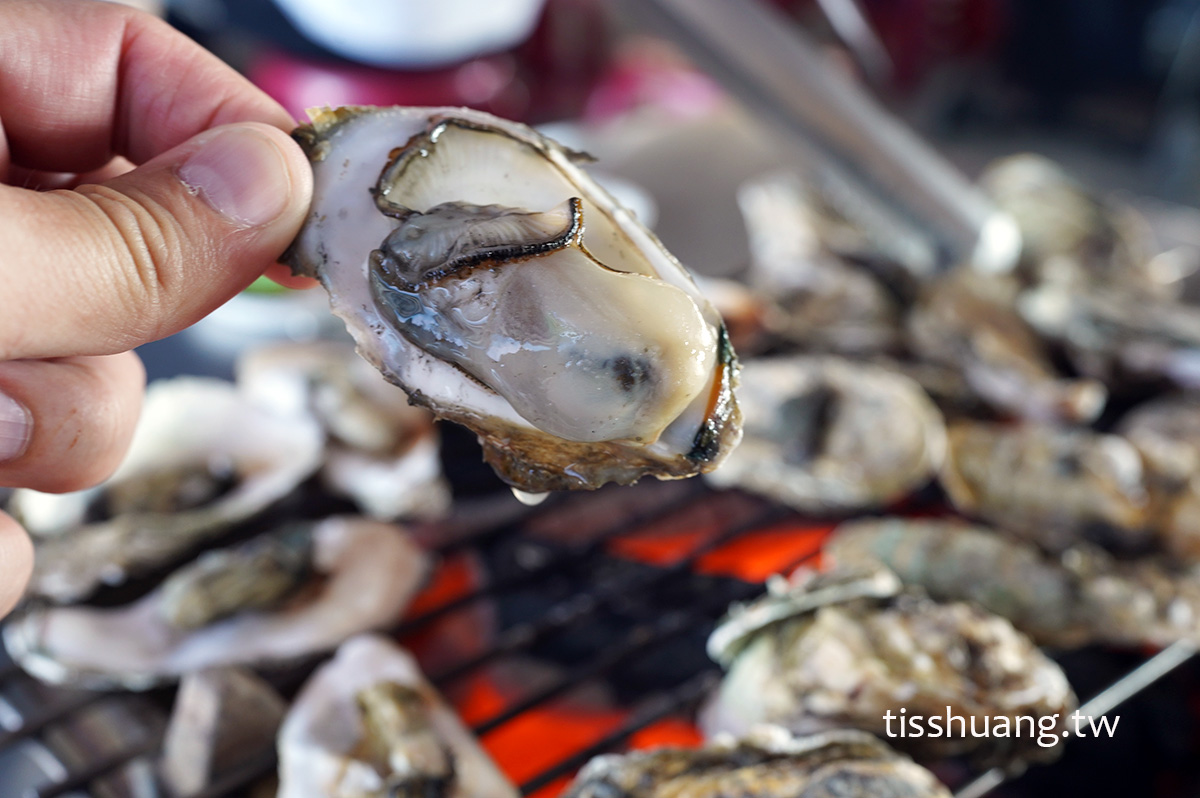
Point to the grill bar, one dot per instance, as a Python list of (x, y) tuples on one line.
[(102, 767), (549, 565), (37, 723), (578, 608), (1100, 704), (610, 591), (661, 706), (638, 640)]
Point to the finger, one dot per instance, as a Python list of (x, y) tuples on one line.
[(38, 180), (83, 81), (65, 424), (16, 562), (108, 267), (283, 275)]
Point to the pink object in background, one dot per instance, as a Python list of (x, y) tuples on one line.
[(489, 83), (548, 76)]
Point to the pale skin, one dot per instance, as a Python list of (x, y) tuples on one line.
[(142, 184)]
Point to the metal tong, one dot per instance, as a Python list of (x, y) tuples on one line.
[(932, 216)]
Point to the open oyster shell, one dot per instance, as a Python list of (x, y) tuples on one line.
[(848, 649), (368, 723), (381, 451), (361, 575), (485, 273), (1083, 597), (202, 459)]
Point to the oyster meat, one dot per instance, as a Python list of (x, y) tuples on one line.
[(480, 269), (768, 763), (369, 725), (834, 650)]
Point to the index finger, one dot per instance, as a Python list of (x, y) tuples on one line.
[(81, 82)]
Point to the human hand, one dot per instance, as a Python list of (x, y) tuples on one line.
[(116, 256)]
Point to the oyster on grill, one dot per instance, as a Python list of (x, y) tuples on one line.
[(1072, 236), (480, 269), (1084, 596), (1053, 485), (768, 763), (381, 452), (828, 435), (1166, 431), (850, 649), (968, 320), (369, 725), (202, 459), (823, 301), (301, 590)]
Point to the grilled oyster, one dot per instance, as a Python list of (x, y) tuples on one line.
[(368, 724), (1082, 597), (969, 320), (768, 763), (1071, 235), (823, 302), (480, 269), (1166, 431), (1053, 485), (381, 452), (254, 604), (202, 459), (829, 435), (842, 650)]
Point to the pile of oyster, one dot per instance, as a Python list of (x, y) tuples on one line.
[(210, 545), (1044, 423)]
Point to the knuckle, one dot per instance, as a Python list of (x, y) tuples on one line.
[(146, 247)]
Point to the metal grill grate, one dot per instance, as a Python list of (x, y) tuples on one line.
[(584, 585)]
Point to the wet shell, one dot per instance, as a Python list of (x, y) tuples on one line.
[(382, 452), (1053, 485), (480, 269), (856, 653)]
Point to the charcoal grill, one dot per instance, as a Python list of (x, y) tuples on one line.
[(617, 589)]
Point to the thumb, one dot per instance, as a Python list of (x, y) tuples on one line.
[(103, 268)]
